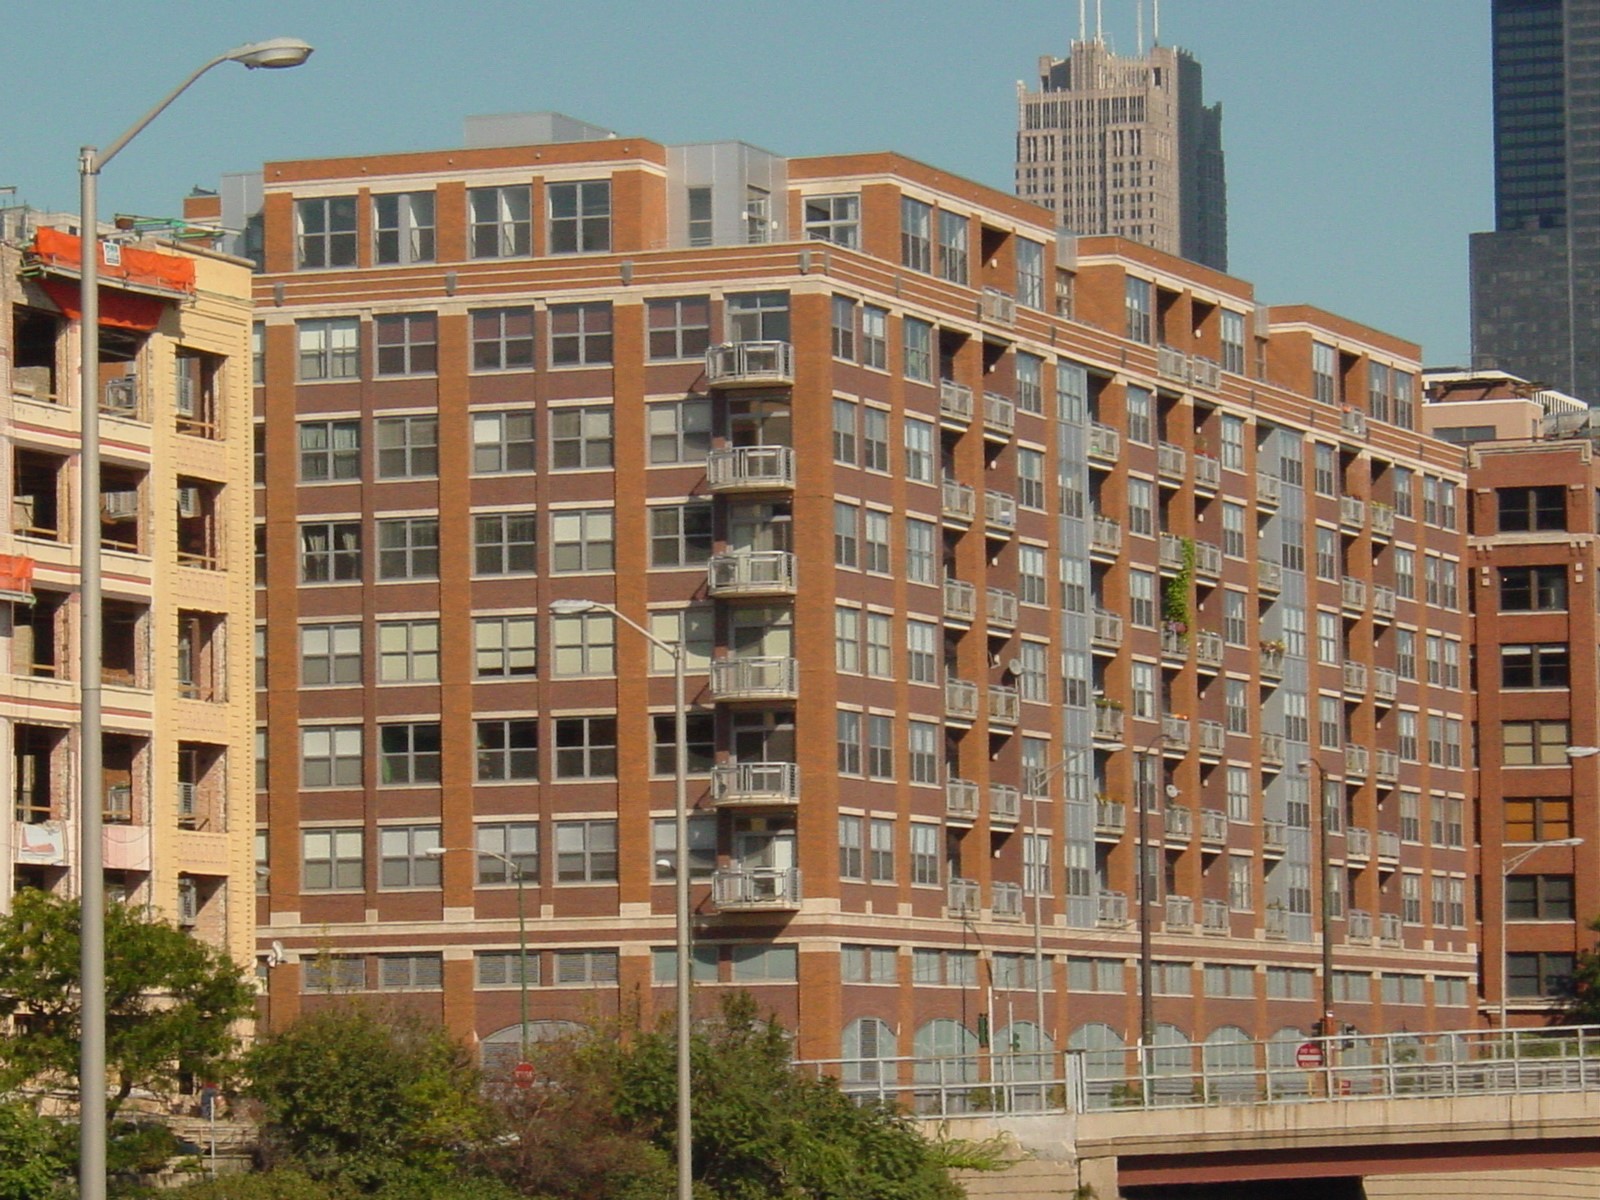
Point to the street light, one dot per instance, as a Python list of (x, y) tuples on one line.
[(1529, 849), (1147, 1008), (680, 876), (274, 54), (522, 928), (1325, 856)]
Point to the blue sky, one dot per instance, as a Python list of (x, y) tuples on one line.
[(1357, 131)]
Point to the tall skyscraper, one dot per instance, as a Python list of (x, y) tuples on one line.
[(1126, 146), (1536, 277)]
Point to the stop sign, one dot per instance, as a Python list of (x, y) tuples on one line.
[(522, 1075), (1308, 1054)]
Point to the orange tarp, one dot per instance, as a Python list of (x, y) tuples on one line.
[(141, 268)]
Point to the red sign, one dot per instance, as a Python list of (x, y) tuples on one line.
[(1308, 1055), (522, 1075)]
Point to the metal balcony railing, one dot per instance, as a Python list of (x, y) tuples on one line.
[(1007, 901), (1205, 372), (1180, 912), (736, 364), (1388, 768), (1005, 804), (1352, 512), (750, 468), (1213, 826), (1355, 678), (1179, 821), (961, 799), (1353, 422), (958, 502), (1358, 926), (1174, 645), (1271, 661), (755, 679), (1269, 489), (752, 573), (1000, 510), (998, 307), (1170, 461), (1105, 443), (1005, 704), (963, 898), (1382, 516), (1107, 629), (1274, 838), (1356, 761), (1213, 738), (1269, 577), (960, 601), (1207, 560), (1105, 537), (1207, 472), (1388, 845), (1214, 916), (961, 699), (1357, 842), (1175, 733), (1385, 682), (1108, 722), (1000, 607), (736, 889), (1277, 923), (1390, 931), (955, 402), (1172, 363), (1209, 648), (1383, 599), (1170, 551), (755, 783), (1272, 749), (1353, 593), (999, 413), (1110, 817), (1111, 910)]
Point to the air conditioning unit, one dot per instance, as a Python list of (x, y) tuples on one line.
[(188, 502), (120, 395), (186, 803), (119, 802), (119, 506), (188, 902)]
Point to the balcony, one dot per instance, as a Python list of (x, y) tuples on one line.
[(963, 898), (1180, 913), (1172, 363), (1214, 917), (1385, 683), (1005, 705), (1277, 922), (750, 469), (1175, 734), (1274, 839), (961, 800), (1356, 761), (1105, 538), (1179, 825), (958, 502), (734, 784), (955, 404), (1205, 372), (1209, 649), (999, 415), (1355, 679), (1007, 902), (960, 700), (1170, 552), (1388, 766), (750, 364), (997, 307), (1174, 646), (1170, 462), (1353, 422), (1107, 630), (1213, 739), (1272, 749), (1390, 930), (1269, 489), (1105, 443), (1111, 910), (755, 679), (1269, 577), (1388, 846), (1207, 474), (1108, 723), (1358, 926), (1383, 602), (1000, 511), (756, 889), (1382, 519), (1207, 561), (1353, 594), (1000, 608), (1352, 513), (1005, 804), (1357, 842), (960, 601), (751, 573), (1110, 819)]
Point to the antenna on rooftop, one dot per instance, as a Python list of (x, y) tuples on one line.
[(1083, 20), (1155, 34), (1138, 28), (1099, 21)]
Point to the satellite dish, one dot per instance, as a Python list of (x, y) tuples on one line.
[(1014, 665), (1172, 791)]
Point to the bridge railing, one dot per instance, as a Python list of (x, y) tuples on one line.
[(1193, 1074)]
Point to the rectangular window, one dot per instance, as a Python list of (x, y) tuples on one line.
[(329, 348), (330, 655), (922, 752), (1539, 898), (1030, 478), (1141, 507), (925, 855), (406, 343), (847, 737), (506, 749), (920, 543), (1229, 979), (919, 451), (504, 647), (844, 431), (1537, 819), (918, 344), (408, 447), (1235, 625), (678, 327), (880, 857), (580, 438), (765, 964), (329, 451), (757, 316), (331, 860), (586, 747), (1233, 523), (507, 968), (1033, 679), (874, 337), (502, 840), (408, 651), (1094, 974), (680, 431), (680, 535), (844, 328), (868, 964), (916, 242), (1142, 598), (1032, 587), (874, 439), (1405, 574), (875, 541), (403, 858), (585, 643), (1030, 274), (410, 972), (1534, 743), (1533, 589), (835, 219), (880, 655), (921, 659), (408, 548), (1232, 447), (330, 756), (402, 228), (503, 442), (503, 543), (852, 856), (585, 967), (580, 334), (702, 847), (1324, 369), (847, 639), (1540, 975), (700, 737), (1136, 303), (953, 247), (846, 537), (701, 225), (582, 540), (1290, 983), (1536, 665), (1402, 483), (325, 230), (580, 217), (1140, 425), (501, 221), (1233, 341)]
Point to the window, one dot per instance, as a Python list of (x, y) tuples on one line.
[(1330, 647), (1401, 478), (680, 535), (758, 225), (585, 643), (580, 334), (835, 219), (919, 451), (847, 639), (1532, 509), (409, 753), (503, 441), (700, 738), (880, 858), (1031, 568), (502, 339), (1235, 625), (921, 661), (1540, 975), (1533, 589), (1232, 443), (844, 328), (1405, 653), (403, 858), (868, 964), (1237, 705), (1537, 819), (1142, 598), (1405, 574), (680, 431), (844, 432), (1141, 507), (1327, 553), (1539, 898), (1094, 974), (874, 337), (1410, 816), (325, 232), (410, 972), (1400, 989), (880, 657), (1539, 665), (916, 245), (922, 752), (1289, 983), (953, 247), (918, 344), (580, 438), (925, 855), (1233, 341), (1136, 305), (875, 541), (402, 228), (1229, 979), (330, 655), (692, 628), (501, 221), (503, 543), (765, 964), (407, 343), (585, 967), (586, 747), (504, 647), (1030, 274), (329, 349), (874, 439), (1140, 427), (331, 859), (408, 651), (1533, 743), (408, 446), (1173, 979), (515, 840), (334, 973), (1233, 523), (846, 539), (1033, 679), (507, 749), (1030, 478), (700, 217), (852, 862), (329, 450), (847, 736), (1378, 391), (1406, 738), (1324, 367), (581, 540), (408, 548), (580, 217), (330, 756), (679, 327)]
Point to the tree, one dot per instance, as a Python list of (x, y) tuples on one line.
[(363, 1099), (35, 1153), (1582, 1003), (171, 1001)]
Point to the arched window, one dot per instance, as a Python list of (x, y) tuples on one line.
[(942, 1048), (502, 1049), (1230, 1061), (1022, 1052), (1172, 1063), (866, 1040), (1284, 1075), (1106, 1062)]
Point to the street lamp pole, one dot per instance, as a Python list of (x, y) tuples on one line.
[(1147, 1008), (277, 53), (522, 930), (1313, 768), (680, 877)]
